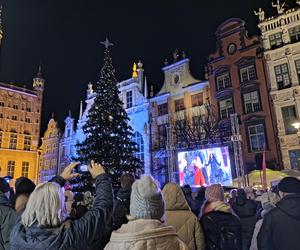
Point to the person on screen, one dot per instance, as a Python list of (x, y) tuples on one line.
[(198, 176), (189, 175), (182, 163), (214, 167)]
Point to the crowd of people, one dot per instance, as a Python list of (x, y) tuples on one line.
[(142, 216)]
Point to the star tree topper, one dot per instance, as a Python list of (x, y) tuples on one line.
[(107, 43)]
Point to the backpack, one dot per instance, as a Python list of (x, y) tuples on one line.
[(222, 231)]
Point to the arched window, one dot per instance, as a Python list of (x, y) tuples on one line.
[(138, 139)]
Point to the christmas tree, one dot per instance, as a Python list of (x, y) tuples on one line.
[(108, 137)]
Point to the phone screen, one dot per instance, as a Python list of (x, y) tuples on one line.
[(83, 168)]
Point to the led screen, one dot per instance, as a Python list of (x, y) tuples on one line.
[(204, 167)]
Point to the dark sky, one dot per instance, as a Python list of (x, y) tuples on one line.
[(66, 35)]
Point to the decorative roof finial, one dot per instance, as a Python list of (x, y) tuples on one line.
[(39, 74), (52, 115), (140, 65), (70, 114), (175, 55), (134, 72), (1, 27), (298, 2), (166, 62), (261, 14), (80, 110), (279, 7), (183, 54), (107, 43)]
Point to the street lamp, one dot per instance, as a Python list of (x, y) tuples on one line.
[(296, 125)]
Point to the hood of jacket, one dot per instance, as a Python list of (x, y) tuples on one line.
[(124, 193), (145, 234), (174, 198), (289, 205), (4, 200)]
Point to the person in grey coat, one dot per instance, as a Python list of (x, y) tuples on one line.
[(7, 215), (44, 225)]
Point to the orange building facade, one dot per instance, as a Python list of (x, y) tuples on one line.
[(238, 85)]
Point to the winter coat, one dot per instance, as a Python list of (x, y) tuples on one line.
[(246, 210), (84, 233), (121, 207), (179, 215), (255, 233), (192, 203), (7, 221), (215, 217), (281, 226), (144, 234)]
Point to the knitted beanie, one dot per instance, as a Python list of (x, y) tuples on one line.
[(4, 186), (289, 185), (146, 201), (24, 185), (214, 193)]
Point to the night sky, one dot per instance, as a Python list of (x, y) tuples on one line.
[(65, 35)]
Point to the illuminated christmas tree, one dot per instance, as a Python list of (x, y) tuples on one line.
[(108, 137)]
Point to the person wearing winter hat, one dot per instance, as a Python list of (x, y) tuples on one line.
[(281, 226), (7, 215), (145, 229), (268, 202), (217, 215), (24, 187)]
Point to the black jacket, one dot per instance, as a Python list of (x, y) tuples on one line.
[(212, 223), (281, 226), (7, 221), (122, 206), (246, 210), (84, 233)]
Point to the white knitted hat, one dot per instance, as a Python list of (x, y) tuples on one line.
[(146, 201)]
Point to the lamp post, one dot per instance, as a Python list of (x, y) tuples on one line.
[(296, 125)]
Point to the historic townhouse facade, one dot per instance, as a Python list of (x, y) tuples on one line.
[(281, 42), (238, 85), (20, 119), (181, 100)]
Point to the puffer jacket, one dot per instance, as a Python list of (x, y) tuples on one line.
[(7, 221), (84, 233), (179, 215), (144, 234), (121, 207)]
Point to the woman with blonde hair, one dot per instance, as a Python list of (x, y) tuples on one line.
[(43, 224)]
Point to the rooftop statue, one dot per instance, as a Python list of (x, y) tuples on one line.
[(279, 6)]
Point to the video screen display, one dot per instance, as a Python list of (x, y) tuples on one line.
[(204, 167)]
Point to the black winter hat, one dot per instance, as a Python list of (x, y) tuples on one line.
[(289, 185), (4, 186), (24, 185)]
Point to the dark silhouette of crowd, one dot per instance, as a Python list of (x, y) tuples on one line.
[(142, 216)]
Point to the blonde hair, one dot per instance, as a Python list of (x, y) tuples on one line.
[(46, 206)]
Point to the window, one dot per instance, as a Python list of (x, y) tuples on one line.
[(27, 120), (47, 163), (251, 102), (1, 104), (28, 109), (295, 159), (180, 128), (14, 117), (128, 99), (15, 106), (256, 137), (162, 135), (25, 169), (289, 116), (294, 34), (1, 134), (223, 81), (226, 108), (11, 168), (282, 76), (48, 149), (27, 142), (53, 162), (54, 147), (1, 115), (276, 40), (138, 139), (297, 63), (69, 132), (197, 100), (162, 109), (179, 104), (13, 141), (248, 73)]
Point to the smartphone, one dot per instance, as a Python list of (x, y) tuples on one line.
[(82, 168)]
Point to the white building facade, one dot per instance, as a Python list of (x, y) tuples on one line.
[(281, 41)]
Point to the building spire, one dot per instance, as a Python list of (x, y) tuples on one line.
[(39, 74), (145, 87), (134, 71), (1, 26), (80, 110), (52, 115)]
